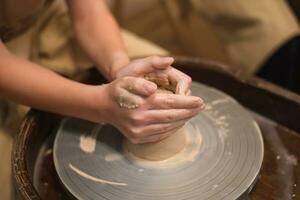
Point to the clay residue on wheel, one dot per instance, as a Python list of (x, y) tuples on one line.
[(87, 142), (92, 178)]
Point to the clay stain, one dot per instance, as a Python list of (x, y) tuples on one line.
[(95, 179)]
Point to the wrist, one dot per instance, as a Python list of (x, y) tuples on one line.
[(119, 60), (99, 105)]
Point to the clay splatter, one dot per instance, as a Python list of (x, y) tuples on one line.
[(113, 157), (87, 143), (220, 121), (92, 178), (218, 101)]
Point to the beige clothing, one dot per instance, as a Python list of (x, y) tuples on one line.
[(16, 19), (239, 32), (54, 44), (251, 31)]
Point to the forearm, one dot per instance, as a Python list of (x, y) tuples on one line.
[(98, 34), (32, 85)]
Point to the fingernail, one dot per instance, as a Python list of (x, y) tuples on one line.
[(150, 87), (197, 100), (203, 106), (201, 100), (168, 60)]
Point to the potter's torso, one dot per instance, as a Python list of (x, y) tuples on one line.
[(18, 15)]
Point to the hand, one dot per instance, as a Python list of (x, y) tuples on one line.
[(159, 68), (142, 115)]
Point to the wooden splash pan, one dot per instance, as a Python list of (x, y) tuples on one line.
[(275, 110)]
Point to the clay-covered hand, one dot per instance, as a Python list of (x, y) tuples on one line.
[(132, 105), (159, 68)]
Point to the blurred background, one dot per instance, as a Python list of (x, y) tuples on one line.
[(259, 38)]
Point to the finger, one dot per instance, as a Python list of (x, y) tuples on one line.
[(183, 86), (188, 93), (139, 86), (128, 100), (173, 101), (151, 64), (182, 81), (171, 115)]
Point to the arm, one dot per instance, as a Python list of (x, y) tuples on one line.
[(27, 83), (98, 34)]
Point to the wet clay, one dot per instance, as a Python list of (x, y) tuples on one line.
[(162, 81), (188, 154), (163, 149)]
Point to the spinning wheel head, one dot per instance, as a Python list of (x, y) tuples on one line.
[(221, 160)]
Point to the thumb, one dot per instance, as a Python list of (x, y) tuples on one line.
[(151, 64)]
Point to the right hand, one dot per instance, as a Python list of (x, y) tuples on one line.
[(159, 68), (142, 115)]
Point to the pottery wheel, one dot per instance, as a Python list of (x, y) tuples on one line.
[(221, 161)]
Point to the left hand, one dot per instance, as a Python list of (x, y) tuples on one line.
[(159, 67)]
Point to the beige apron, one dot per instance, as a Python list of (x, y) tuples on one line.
[(243, 33)]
